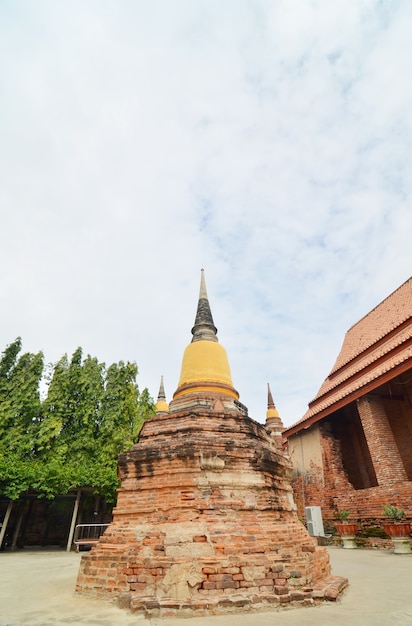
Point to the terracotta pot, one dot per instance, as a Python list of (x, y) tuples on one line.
[(397, 529), (346, 529)]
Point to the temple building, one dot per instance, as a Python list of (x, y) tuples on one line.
[(352, 449), (205, 521)]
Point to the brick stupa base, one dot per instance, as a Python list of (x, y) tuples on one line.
[(205, 521)]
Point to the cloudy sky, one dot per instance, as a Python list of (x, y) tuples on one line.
[(268, 141)]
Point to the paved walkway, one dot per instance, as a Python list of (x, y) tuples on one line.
[(37, 589)]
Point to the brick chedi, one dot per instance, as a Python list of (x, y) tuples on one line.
[(205, 521)]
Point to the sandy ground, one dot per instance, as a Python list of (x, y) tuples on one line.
[(37, 589)]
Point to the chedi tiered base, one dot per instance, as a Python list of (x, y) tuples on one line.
[(205, 522)]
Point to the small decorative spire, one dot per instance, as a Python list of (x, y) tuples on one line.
[(161, 395), (161, 404), (204, 328), (273, 422), (271, 405)]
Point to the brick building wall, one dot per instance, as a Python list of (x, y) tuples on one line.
[(366, 459), (362, 415)]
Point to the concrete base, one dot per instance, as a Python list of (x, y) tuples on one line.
[(349, 543), (402, 545)]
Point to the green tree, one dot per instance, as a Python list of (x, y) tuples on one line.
[(123, 409), (7, 362), (69, 426), (90, 415), (73, 438), (19, 414), (123, 412)]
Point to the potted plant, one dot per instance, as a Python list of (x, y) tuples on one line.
[(398, 530), (346, 529)]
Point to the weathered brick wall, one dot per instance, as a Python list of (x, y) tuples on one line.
[(399, 412), (328, 486), (381, 441), (205, 522), (320, 484)]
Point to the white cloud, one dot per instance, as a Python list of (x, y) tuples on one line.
[(268, 142)]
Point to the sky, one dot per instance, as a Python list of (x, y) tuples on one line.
[(266, 141)]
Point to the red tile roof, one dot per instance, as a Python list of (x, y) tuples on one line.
[(376, 346)]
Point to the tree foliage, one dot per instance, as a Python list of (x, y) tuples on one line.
[(19, 410), (71, 438)]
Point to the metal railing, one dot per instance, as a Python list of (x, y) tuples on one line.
[(87, 535)]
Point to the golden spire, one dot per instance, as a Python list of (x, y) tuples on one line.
[(205, 366), (161, 404)]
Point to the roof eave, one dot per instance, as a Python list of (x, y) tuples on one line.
[(358, 393)]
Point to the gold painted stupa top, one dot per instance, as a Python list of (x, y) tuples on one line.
[(205, 366)]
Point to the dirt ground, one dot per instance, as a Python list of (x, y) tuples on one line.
[(37, 589)]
